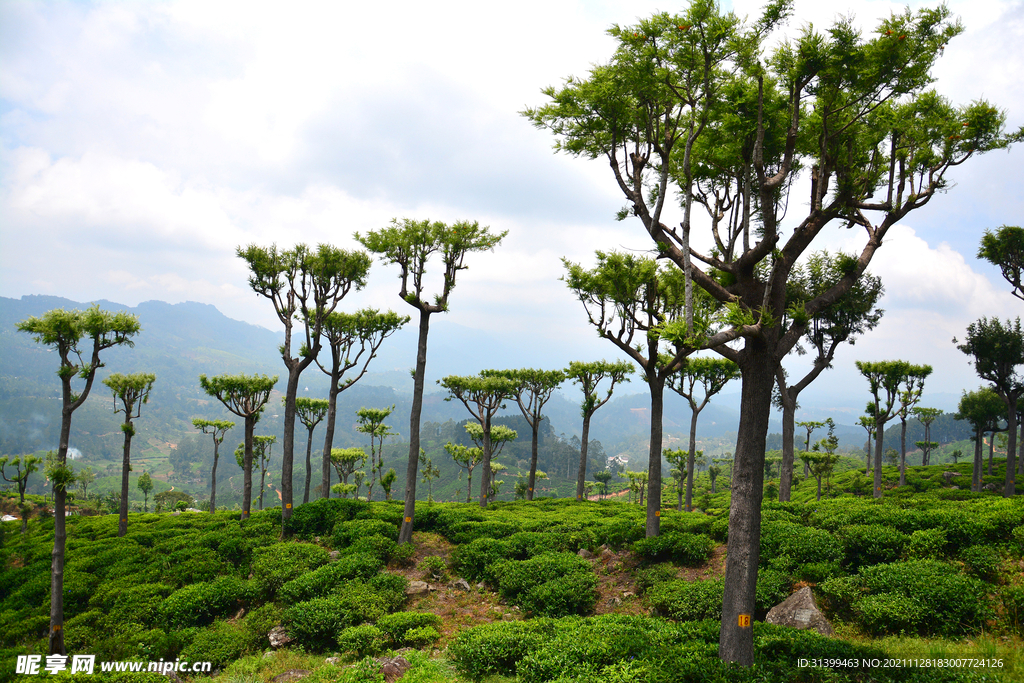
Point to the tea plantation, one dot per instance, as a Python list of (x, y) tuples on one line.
[(557, 590)]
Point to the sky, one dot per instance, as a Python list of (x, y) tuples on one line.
[(141, 143)]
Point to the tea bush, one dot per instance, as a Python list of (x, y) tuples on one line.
[(362, 640), (551, 584), (867, 544), (471, 560), (687, 549), (322, 581), (276, 565), (219, 644), (395, 626), (201, 603), (348, 532)]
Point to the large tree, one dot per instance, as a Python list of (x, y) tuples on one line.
[(589, 376), (483, 395), (533, 388), (246, 396), (884, 378), (997, 351), (305, 286), (852, 315), (310, 411), (1005, 248), (711, 374), (64, 332), (132, 391), (642, 309), (354, 339), (216, 429), (410, 244), (983, 409), (708, 105)]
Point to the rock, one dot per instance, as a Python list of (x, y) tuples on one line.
[(629, 594), (417, 588), (800, 611), (334, 555), (604, 547), (431, 587), (268, 655), (607, 554), (481, 586), (239, 615), (393, 668), (333, 661), (585, 554), (948, 476), (954, 488), (614, 602), (289, 676), (989, 487), (461, 585), (279, 637)]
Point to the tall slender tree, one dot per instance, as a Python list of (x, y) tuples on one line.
[(132, 391), (310, 411), (24, 466), (410, 244), (371, 423), (246, 396), (997, 350), (533, 389), (810, 426), (983, 409), (712, 374), (589, 377), (216, 429), (354, 339), (852, 315), (884, 379), (145, 484), (911, 387), (731, 117), (1005, 248), (64, 332), (926, 416), (483, 396), (304, 285)]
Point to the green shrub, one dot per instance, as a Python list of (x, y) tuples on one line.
[(885, 613), (982, 562), (276, 565), (467, 532), (687, 549), (647, 578), (220, 645), (1012, 598), (193, 565), (257, 624), (471, 560), (422, 636), (380, 547), (362, 640), (801, 545), (1017, 541), (321, 516), (434, 567), (497, 648), (868, 544), (200, 603), (817, 572), (396, 626), (772, 588), (687, 600), (927, 544), (141, 603), (570, 594), (619, 532), (316, 623), (348, 532), (526, 544), (322, 581)]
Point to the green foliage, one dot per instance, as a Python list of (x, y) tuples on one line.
[(550, 584), (362, 640), (927, 544), (434, 567), (322, 516), (324, 580), (421, 636), (348, 532), (276, 565), (800, 545), (257, 624), (867, 544), (690, 550), (471, 560), (220, 645), (982, 562), (200, 603), (398, 625), (687, 600)]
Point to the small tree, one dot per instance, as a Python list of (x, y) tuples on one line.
[(345, 462), (811, 426), (926, 416), (713, 473), (145, 485), (305, 286), (354, 339), (371, 423), (409, 244), (216, 429), (84, 478), (467, 459), (387, 481), (677, 458), (63, 331), (983, 409), (262, 447), (24, 465), (310, 412), (604, 477), (884, 378), (1005, 248), (246, 396), (822, 459), (912, 385), (868, 423), (430, 473), (132, 391)]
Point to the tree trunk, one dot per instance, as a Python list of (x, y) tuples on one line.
[(657, 385), (879, 440), (126, 466), (288, 449), (486, 476), (979, 461), (991, 451), (309, 465), (690, 456), (535, 425), (1009, 488), (903, 451), (60, 534), (581, 474), (250, 426), (736, 638), (213, 475), (788, 447), (332, 413), (405, 534), (469, 485)]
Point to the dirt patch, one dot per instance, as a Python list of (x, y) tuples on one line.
[(616, 585), (714, 567)]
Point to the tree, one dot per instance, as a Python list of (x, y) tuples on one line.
[(310, 412), (246, 396), (884, 379), (603, 477), (83, 479), (24, 465), (410, 244), (132, 391), (533, 388), (483, 396), (677, 458), (997, 350), (589, 377), (822, 459), (345, 462), (371, 423), (810, 426), (701, 107), (467, 459), (387, 481), (637, 305), (262, 446), (63, 331), (216, 429), (172, 500), (926, 416), (353, 338), (852, 315), (912, 385), (712, 374), (305, 286), (868, 423), (430, 473), (1005, 248), (145, 484), (983, 409), (713, 473)]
